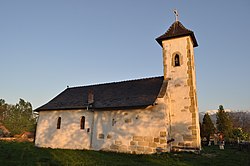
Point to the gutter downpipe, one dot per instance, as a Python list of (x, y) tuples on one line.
[(92, 126)]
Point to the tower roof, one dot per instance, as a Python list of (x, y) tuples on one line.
[(177, 30)]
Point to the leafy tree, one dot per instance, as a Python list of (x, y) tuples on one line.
[(207, 127), (238, 133), (19, 118), (224, 123), (3, 109)]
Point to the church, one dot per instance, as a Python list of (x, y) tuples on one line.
[(139, 116)]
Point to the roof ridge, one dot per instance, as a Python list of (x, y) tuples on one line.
[(170, 28), (181, 25), (115, 82), (173, 26)]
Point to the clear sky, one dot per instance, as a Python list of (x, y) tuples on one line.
[(46, 45)]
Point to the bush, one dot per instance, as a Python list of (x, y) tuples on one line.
[(18, 118)]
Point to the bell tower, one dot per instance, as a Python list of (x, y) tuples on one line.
[(179, 69)]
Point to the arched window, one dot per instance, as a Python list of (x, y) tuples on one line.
[(58, 126), (177, 60), (82, 124)]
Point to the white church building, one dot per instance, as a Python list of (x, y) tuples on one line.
[(136, 116)]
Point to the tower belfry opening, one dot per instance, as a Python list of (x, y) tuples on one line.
[(177, 60)]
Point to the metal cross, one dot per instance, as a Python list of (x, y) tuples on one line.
[(176, 14)]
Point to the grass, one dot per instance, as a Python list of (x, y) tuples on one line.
[(24, 153)]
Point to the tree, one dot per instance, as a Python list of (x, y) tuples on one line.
[(238, 133), (19, 118), (3, 109), (207, 127), (224, 123)]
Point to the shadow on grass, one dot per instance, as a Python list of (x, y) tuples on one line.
[(15, 153)]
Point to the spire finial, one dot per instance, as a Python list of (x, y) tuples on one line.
[(176, 15)]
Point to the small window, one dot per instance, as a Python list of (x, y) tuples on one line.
[(82, 124), (177, 60), (113, 122), (58, 126)]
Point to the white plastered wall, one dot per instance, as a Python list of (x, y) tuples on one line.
[(69, 136)]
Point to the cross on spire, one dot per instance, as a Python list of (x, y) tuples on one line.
[(176, 15)]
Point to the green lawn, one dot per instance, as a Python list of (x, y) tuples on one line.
[(14, 153)]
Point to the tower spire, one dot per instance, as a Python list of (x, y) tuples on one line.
[(176, 15)]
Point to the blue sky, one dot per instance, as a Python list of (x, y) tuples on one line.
[(46, 45)]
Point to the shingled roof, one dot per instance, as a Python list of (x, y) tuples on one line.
[(126, 94), (177, 30)]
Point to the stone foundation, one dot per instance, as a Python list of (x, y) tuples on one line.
[(141, 144)]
